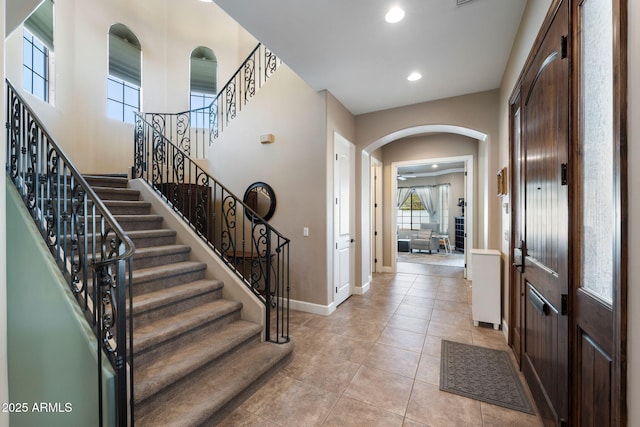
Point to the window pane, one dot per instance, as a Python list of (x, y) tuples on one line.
[(598, 219), (26, 78), (114, 90), (26, 53), (39, 87), (129, 117), (114, 110), (131, 96), (39, 63)]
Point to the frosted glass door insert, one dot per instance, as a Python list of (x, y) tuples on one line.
[(597, 143)]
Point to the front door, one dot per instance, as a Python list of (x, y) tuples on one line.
[(343, 189), (545, 96)]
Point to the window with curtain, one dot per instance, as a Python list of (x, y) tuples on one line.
[(37, 49), (411, 213), (124, 81), (203, 84), (426, 204)]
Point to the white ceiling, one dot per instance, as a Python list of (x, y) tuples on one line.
[(346, 47), (427, 169)]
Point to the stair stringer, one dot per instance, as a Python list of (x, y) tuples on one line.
[(253, 310)]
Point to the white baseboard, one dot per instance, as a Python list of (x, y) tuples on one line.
[(387, 269), (361, 290), (309, 307)]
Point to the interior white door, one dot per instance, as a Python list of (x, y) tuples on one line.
[(344, 219)]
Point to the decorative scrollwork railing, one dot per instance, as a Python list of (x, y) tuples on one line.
[(92, 251), (193, 131), (252, 248)]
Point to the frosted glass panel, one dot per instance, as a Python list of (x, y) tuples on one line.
[(598, 213)]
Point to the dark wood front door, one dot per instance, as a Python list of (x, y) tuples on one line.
[(545, 95), (569, 218)]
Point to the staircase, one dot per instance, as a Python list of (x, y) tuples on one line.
[(195, 359)]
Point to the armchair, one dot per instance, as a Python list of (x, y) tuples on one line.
[(425, 239)]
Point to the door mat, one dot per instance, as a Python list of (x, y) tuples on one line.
[(483, 374)]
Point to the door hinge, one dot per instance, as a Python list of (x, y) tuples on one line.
[(465, 173), (563, 174), (375, 260), (336, 289), (563, 304), (563, 47), (336, 156), (375, 233)]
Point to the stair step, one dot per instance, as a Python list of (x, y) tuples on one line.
[(152, 306), (164, 276), (150, 238), (110, 193), (218, 388), (199, 321), (134, 222), (117, 181), (153, 377), (128, 207), (160, 255), (139, 222)]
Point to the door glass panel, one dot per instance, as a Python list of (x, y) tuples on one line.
[(598, 214)]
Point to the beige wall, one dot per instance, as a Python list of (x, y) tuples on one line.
[(4, 392), (168, 32), (633, 356), (294, 165), (420, 148), (477, 112)]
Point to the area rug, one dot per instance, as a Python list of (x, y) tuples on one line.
[(483, 374), (451, 260)]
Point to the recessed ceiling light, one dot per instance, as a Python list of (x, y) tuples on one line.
[(414, 76), (394, 15), (434, 166)]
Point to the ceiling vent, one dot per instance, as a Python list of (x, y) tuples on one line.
[(461, 2)]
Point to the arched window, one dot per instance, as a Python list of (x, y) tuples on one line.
[(203, 78), (124, 81), (37, 49)]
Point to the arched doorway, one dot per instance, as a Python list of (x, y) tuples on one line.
[(369, 185)]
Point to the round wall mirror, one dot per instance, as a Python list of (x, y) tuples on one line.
[(261, 198)]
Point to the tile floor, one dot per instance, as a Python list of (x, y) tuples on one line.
[(375, 361)]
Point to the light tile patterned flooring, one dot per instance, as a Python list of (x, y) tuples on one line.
[(375, 361)]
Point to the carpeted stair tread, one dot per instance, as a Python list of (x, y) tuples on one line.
[(152, 300), (152, 377), (113, 193), (119, 207), (170, 327), (164, 271), (107, 180), (159, 232), (160, 250), (195, 402)]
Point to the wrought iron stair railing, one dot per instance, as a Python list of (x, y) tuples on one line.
[(250, 246), (194, 130), (92, 251)]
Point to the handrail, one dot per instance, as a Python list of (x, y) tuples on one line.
[(91, 249), (194, 130), (255, 251)]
